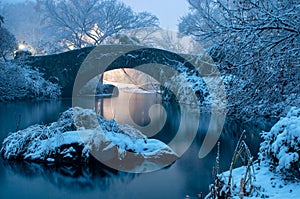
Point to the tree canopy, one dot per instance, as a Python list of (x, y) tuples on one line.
[(255, 43), (245, 32), (49, 26), (89, 22)]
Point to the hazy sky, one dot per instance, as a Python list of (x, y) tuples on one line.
[(168, 11)]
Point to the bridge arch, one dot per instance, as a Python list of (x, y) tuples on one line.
[(148, 60)]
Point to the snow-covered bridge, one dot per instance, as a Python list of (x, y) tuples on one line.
[(63, 68)]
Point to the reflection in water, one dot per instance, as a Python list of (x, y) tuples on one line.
[(20, 115), (141, 110), (76, 178), (200, 170), (188, 175)]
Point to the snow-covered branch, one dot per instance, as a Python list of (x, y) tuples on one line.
[(251, 41)]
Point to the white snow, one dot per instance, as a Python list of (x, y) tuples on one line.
[(41, 148), (267, 184), (22, 82), (276, 173), (24, 50), (44, 143), (50, 159), (282, 144), (184, 85), (138, 145)]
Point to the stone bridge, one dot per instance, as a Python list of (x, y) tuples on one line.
[(63, 68)]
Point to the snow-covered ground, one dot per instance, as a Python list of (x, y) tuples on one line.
[(80, 133), (276, 174), (267, 184)]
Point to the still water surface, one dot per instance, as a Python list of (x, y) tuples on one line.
[(189, 175)]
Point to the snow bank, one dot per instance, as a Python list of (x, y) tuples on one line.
[(276, 173), (267, 184), (21, 82), (281, 146), (75, 137)]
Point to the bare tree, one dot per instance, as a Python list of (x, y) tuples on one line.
[(8, 41), (25, 20), (90, 22), (256, 44)]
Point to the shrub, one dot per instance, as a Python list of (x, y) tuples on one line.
[(21, 82), (281, 146)]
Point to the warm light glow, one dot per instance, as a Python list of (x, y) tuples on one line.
[(70, 46), (21, 46), (26, 47)]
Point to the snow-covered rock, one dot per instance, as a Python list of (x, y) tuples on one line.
[(107, 90), (95, 87), (80, 135), (281, 146)]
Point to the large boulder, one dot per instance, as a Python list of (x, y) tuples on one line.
[(107, 90), (79, 136)]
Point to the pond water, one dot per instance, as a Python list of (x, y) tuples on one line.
[(189, 175)]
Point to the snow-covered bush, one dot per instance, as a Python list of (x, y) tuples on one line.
[(281, 146), (21, 82)]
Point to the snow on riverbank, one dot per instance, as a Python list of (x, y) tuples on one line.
[(267, 184), (79, 133), (276, 174)]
